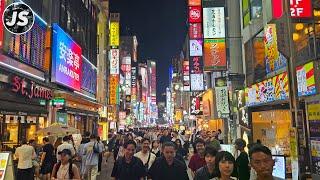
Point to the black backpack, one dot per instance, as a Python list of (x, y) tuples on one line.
[(57, 166)]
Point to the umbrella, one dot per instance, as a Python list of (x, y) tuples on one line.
[(57, 129)]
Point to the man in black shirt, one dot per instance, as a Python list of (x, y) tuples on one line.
[(128, 167), (167, 167), (165, 137)]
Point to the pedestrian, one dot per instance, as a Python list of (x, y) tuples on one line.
[(25, 154), (65, 145), (224, 166), (92, 151), (128, 166), (36, 160), (207, 171), (220, 136), (155, 148), (102, 148), (242, 161), (47, 159), (64, 169), (180, 150), (165, 137), (167, 167), (262, 162), (82, 157), (197, 161), (145, 154)]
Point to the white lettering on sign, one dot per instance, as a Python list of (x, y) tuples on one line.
[(300, 8), (71, 59)]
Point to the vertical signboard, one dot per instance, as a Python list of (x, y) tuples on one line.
[(114, 61), (66, 59), (195, 31), (196, 105), (2, 7), (196, 81), (186, 76), (213, 22), (126, 68), (300, 8), (196, 47), (133, 85), (153, 83), (195, 14), (222, 101), (113, 88), (114, 34), (305, 80), (215, 54)]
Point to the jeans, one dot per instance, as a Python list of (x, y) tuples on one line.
[(92, 171), (25, 174)]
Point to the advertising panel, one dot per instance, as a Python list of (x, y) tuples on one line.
[(195, 14), (153, 82), (215, 54), (269, 90), (113, 88), (89, 81), (66, 59), (196, 65), (277, 9), (213, 22), (208, 104), (2, 7), (195, 31), (114, 34), (222, 102), (126, 68), (305, 80), (196, 105), (144, 79), (114, 61), (196, 81), (300, 8), (194, 2), (196, 47), (186, 77), (133, 85)]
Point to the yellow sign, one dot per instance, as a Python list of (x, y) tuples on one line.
[(114, 34), (113, 85), (314, 112), (293, 143), (178, 115)]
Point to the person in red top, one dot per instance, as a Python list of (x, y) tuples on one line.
[(197, 161)]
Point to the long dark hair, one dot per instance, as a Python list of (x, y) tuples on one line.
[(223, 156)]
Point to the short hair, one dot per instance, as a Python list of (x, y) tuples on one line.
[(145, 139), (259, 148), (45, 139), (210, 150), (24, 141), (240, 143), (31, 141), (66, 138), (93, 136), (127, 143), (169, 144), (87, 134), (201, 141), (226, 156)]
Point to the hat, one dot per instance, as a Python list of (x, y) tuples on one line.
[(65, 151)]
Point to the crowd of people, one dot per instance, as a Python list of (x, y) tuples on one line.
[(157, 154)]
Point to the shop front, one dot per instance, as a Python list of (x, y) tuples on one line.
[(23, 107)]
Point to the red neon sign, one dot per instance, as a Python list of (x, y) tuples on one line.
[(300, 8), (277, 9)]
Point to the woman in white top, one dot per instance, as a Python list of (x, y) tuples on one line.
[(224, 166), (65, 169)]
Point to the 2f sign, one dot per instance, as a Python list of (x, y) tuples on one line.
[(18, 18), (300, 8)]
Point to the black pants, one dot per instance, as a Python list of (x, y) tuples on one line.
[(25, 174), (100, 162)]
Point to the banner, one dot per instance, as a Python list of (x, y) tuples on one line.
[(215, 54), (114, 61), (114, 34), (222, 102), (213, 22), (305, 80), (113, 86)]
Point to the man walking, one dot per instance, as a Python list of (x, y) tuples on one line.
[(92, 151), (25, 153)]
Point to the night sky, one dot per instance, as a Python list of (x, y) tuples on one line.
[(160, 26)]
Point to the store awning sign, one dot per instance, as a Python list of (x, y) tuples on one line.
[(66, 59)]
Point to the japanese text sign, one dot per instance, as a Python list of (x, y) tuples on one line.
[(213, 22), (66, 59), (222, 101), (196, 47), (196, 105), (114, 61), (113, 88), (195, 31), (114, 34), (195, 14), (215, 54), (196, 65)]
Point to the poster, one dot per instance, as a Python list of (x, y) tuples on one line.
[(222, 102), (306, 80), (279, 168), (196, 105), (215, 54), (196, 47), (214, 22)]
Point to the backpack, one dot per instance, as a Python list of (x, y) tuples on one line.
[(57, 166)]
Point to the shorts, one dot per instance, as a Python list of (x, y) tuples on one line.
[(46, 168)]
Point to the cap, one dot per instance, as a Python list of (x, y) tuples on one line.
[(65, 151)]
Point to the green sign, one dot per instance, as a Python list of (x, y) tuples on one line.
[(58, 102)]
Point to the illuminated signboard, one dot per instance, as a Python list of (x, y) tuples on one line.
[(194, 2), (196, 65), (133, 84), (186, 77), (153, 82), (114, 34), (222, 101), (196, 81), (196, 105), (2, 6), (215, 54), (300, 8), (66, 59), (89, 79), (213, 22), (196, 47), (113, 88), (269, 90), (306, 80), (195, 14), (277, 9), (195, 31), (114, 61)]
